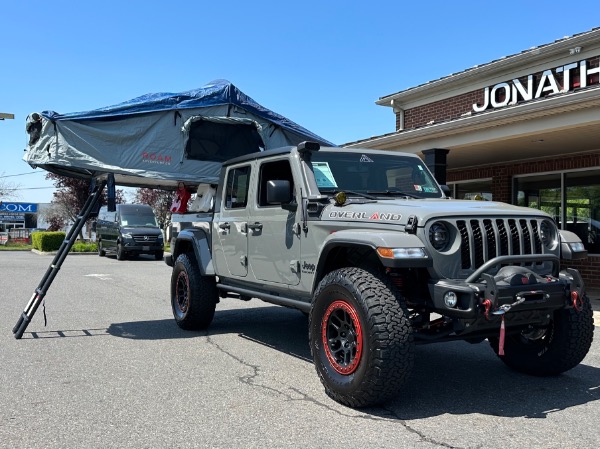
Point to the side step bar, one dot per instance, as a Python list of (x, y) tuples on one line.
[(279, 300)]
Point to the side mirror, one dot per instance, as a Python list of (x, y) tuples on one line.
[(446, 190), (279, 192), (94, 226)]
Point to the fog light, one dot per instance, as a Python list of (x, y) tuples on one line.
[(450, 299)]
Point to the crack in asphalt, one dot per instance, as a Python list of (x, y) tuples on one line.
[(421, 435), (249, 379)]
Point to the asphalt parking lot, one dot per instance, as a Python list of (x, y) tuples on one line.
[(112, 370)]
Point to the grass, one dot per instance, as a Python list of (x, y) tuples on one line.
[(83, 247), (16, 247), (78, 247)]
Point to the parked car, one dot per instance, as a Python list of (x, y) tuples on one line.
[(129, 231)]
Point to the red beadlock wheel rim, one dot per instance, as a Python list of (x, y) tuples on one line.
[(341, 334)]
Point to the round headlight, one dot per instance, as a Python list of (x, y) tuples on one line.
[(439, 236), (547, 233)]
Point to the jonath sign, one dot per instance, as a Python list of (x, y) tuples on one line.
[(19, 208), (553, 81)]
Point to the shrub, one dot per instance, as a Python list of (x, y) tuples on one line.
[(47, 241), (82, 247)]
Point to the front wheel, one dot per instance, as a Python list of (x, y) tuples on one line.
[(120, 251), (552, 350), (193, 296), (360, 337), (101, 251), (158, 255)]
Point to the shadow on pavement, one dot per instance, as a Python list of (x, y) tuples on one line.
[(461, 379), (455, 378), (263, 325)]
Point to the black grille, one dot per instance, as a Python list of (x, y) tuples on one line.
[(477, 242), (484, 239), (465, 246), (503, 237), (526, 237), (145, 239)]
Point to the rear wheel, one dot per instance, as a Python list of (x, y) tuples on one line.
[(552, 350), (193, 296), (361, 338)]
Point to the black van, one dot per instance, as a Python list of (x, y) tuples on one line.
[(131, 230)]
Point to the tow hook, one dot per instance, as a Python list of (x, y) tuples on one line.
[(577, 289), (487, 304), (576, 301)]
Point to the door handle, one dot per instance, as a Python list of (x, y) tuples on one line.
[(225, 226), (256, 226)]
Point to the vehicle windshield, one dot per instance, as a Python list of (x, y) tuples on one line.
[(139, 220), (377, 175)]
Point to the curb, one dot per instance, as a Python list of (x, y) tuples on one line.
[(52, 253)]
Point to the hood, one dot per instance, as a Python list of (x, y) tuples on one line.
[(397, 211)]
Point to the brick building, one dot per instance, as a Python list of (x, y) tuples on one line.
[(523, 129)]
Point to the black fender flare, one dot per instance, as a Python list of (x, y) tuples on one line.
[(199, 241)]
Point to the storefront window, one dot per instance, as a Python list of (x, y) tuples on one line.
[(580, 197), (473, 190), (541, 192), (583, 207)]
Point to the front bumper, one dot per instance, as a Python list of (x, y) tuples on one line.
[(486, 295), (136, 248)]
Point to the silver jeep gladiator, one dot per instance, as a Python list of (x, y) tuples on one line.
[(369, 246)]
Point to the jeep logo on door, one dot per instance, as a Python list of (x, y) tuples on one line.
[(308, 268)]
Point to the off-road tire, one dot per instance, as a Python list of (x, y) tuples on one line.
[(158, 255), (354, 306), (563, 346), (193, 296), (101, 251), (120, 252)]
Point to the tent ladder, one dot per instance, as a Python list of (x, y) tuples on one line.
[(40, 292)]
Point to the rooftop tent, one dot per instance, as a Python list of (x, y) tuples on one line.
[(159, 140)]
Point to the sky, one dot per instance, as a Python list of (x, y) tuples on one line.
[(322, 64)]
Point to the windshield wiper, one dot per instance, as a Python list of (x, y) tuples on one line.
[(350, 192), (394, 192)]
